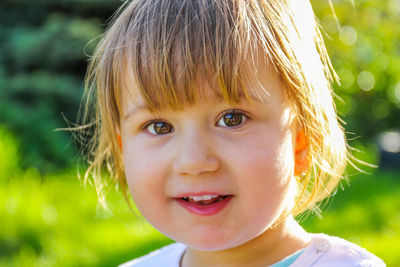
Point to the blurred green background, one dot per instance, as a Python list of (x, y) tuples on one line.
[(47, 218)]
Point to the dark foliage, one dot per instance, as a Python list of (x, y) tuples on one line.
[(42, 66)]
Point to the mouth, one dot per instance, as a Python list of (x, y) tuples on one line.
[(204, 204), (204, 199)]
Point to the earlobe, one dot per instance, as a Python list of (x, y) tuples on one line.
[(301, 154)]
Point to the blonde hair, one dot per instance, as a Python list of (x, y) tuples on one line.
[(163, 44)]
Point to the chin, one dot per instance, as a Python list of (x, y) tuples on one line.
[(209, 242)]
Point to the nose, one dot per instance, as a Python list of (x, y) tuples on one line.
[(195, 154)]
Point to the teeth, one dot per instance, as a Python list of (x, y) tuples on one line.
[(200, 198)]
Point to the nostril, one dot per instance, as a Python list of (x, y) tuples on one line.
[(196, 166), (195, 163)]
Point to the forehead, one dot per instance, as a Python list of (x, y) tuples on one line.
[(260, 83)]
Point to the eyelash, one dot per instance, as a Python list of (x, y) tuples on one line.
[(245, 118), (235, 112), (145, 126)]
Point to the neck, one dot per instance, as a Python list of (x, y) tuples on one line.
[(271, 246)]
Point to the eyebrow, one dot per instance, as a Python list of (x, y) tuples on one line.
[(135, 109), (140, 107)]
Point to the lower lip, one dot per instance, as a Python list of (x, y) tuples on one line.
[(205, 210)]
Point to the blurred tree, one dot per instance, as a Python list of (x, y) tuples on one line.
[(42, 66), (364, 44)]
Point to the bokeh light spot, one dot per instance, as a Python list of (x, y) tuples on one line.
[(50, 215), (366, 80), (394, 7), (348, 35), (390, 141)]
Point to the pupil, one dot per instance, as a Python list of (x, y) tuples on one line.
[(233, 119), (162, 128)]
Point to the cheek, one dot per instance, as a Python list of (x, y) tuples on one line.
[(268, 156), (265, 165), (141, 160), (144, 170)]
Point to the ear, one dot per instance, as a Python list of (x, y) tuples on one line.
[(119, 140), (301, 154)]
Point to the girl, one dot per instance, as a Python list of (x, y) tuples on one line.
[(218, 116)]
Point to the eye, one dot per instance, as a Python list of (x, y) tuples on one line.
[(232, 119), (158, 127)]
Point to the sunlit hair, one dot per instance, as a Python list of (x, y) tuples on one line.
[(163, 45)]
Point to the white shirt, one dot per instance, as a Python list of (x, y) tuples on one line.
[(323, 250)]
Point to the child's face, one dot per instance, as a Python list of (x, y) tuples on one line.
[(240, 156)]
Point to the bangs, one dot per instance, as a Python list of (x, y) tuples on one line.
[(170, 48)]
